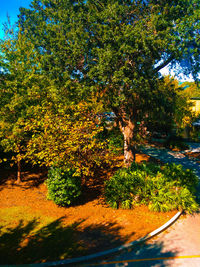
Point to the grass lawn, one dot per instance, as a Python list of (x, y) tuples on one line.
[(33, 229)]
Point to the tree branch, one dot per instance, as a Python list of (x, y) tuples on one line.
[(163, 64)]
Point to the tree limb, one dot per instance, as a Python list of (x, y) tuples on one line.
[(164, 64)]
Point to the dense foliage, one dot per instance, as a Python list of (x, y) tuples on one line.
[(108, 53), (39, 124), (21, 89), (113, 48), (174, 111), (67, 138), (161, 188), (176, 143), (64, 187)]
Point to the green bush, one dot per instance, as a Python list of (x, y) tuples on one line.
[(183, 177), (63, 187), (162, 188), (176, 143), (121, 188)]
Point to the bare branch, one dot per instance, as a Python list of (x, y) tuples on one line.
[(164, 64)]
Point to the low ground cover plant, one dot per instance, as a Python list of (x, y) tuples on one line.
[(64, 187), (162, 188)]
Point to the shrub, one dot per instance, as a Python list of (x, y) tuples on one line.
[(122, 187), (175, 143), (149, 168), (72, 138), (161, 188), (63, 187), (183, 177)]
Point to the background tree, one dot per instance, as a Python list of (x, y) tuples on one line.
[(190, 89), (161, 118), (174, 111)]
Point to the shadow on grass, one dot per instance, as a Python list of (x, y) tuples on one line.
[(26, 244)]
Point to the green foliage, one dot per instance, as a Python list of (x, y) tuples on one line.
[(113, 48), (190, 89), (67, 138), (20, 93), (114, 139), (115, 143), (39, 121), (174, 142), (161, 117), (182, 177), (174, 111), (63, 186), (122, 187), (161, 188)]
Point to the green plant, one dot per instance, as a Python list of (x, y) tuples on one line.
[(183, 177), (63, 187), (149, 168), (175, 143), (115, 141), (122, 187), (120, 66), (114, 138), (162, 188)]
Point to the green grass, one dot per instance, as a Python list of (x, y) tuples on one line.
[(10, 217), (27, 238)]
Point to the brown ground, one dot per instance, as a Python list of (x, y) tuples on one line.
[(98, 227), (195, 155)]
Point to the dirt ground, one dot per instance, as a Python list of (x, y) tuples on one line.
[(98, 227), (194, 155)]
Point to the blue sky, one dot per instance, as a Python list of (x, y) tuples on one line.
[(10, 7)]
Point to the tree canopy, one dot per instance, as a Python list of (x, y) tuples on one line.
[(114, 49)]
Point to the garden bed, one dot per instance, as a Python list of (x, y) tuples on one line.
[(34, 229)]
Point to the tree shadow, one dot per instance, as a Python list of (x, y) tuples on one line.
[(31, 176), (144, 255), (93, 187), (25, 243), (5, 175)]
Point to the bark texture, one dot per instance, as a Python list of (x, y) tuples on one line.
[(18, 172), (127, 128)]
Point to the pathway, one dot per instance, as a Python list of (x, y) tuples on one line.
[(179, 245)]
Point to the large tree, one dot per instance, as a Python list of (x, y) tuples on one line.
[(115, 48)]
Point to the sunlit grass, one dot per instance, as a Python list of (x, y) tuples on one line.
[(10, 218), (28, 237)]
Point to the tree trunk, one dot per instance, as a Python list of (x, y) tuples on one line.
[(18, 171), (129, 150)]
